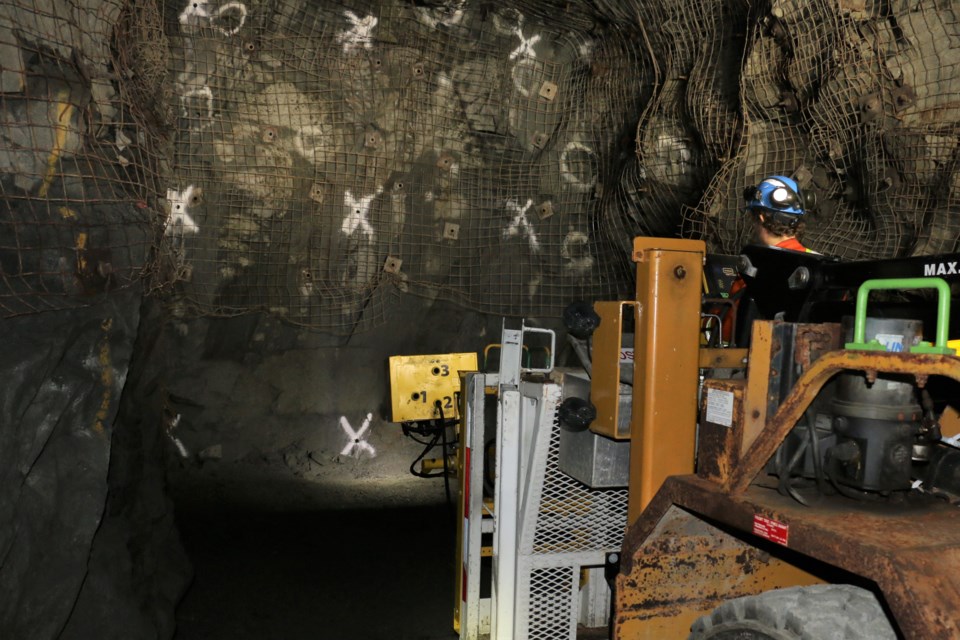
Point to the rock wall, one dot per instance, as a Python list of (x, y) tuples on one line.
[(76, 164), (858, 100), (330, 157), (137, 569), (269, 417), (319, 162), (87, 544)]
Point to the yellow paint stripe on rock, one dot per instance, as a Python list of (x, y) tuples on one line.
[(64, 111), (106, 378), (81, 245)]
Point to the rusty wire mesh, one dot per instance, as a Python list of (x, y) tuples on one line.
[(689, 118), (75, 167), (331, 156), (318, 160), (860, 102)]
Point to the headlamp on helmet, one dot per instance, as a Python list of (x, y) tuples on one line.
[(780, 196)]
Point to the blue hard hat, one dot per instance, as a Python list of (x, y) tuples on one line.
[(778, 194)]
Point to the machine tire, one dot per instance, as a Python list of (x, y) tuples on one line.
[(818, 612)]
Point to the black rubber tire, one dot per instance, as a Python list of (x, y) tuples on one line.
[(818, 612)]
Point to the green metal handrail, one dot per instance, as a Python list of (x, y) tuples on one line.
[(943, 313)]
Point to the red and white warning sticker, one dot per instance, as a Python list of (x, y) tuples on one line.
[(771, 529)]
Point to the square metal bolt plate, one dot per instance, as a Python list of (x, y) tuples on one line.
[(269, 135), (445, 162), (316, 192), (372, 139), (548, 90), (451, 231), (195, 197), (545, 210), (392, 264)]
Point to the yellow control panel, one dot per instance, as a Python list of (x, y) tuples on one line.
[(418, 382)]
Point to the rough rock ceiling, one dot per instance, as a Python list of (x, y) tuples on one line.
[(319, 159), (329, 156)]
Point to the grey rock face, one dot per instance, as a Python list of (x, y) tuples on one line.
[(59, 476)]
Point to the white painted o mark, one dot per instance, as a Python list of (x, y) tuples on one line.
[(574, 180)]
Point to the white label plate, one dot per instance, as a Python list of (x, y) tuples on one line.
[(720, 407)]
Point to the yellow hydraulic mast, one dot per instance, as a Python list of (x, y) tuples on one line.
[(666, 364)]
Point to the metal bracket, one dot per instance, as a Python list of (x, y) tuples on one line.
[(511, 353)]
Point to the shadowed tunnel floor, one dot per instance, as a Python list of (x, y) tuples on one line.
[(375, 574)]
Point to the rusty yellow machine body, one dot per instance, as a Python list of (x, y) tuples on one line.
[(706, 523)]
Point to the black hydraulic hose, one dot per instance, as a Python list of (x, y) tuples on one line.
[(817, 463), (850, 492), (426, 450), (411, 435), (439, 437), (853, 494), (784, 486), (778, 464)]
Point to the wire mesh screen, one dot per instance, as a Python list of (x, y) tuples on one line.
[(859, 101), (573, 517), (318, 160), (568, 526), (690, 113), (552, 593), (329, 156), (77, 165)]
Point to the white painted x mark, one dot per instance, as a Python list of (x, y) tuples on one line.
[(358, 212), (357, 444), (520, 226), (360, 34), (525, 50), (180, 219)]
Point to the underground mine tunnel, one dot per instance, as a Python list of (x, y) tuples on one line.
[(221, 219)]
